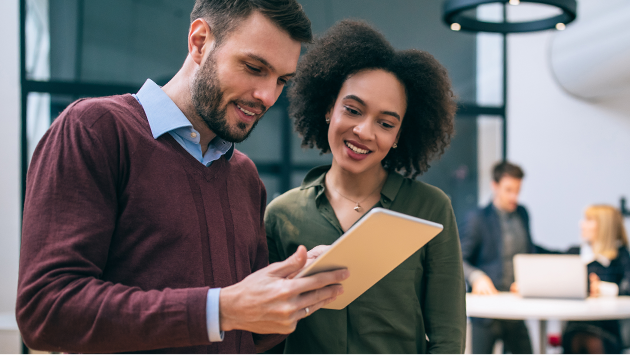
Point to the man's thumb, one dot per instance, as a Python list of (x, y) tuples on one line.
[(292, 264)]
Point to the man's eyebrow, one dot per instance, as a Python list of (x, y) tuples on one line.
[(357, 99), (267, 64)]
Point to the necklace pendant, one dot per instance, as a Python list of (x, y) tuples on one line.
[(357, 208)]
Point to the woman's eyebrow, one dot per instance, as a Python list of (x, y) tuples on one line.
[(391, 113), (357, 99)]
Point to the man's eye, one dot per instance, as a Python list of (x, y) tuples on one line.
[(254, 69), (282, 81)]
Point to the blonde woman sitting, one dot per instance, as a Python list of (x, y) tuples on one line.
[(605, 251)]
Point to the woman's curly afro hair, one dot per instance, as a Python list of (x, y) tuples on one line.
[(353, 46)]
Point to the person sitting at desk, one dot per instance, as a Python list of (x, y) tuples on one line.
[(605, 251), (490, 238), (380, 112)]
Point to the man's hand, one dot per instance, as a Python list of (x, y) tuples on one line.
[(483, 286), (268, 302), (595, 282), (310, 257)]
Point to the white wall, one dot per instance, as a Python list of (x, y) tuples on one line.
[(574, 152), (10, 165)]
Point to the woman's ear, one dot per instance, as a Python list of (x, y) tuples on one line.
[(200, 40), (397, 137), (328, 115)]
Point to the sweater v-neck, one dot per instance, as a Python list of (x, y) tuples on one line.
[(189, 163)]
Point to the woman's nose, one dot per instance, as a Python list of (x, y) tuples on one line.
[(363, 130)]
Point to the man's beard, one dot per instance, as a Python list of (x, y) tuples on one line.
[(207, 98)]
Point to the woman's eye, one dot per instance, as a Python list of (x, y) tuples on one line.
[(387, 125), (351, 111)]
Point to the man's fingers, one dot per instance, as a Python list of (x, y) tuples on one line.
[(316, 306), (317, 281), (289, 266), (317, 296), (310, 259)]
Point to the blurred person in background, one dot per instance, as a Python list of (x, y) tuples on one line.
[(384, 115), (490, 238), (604, 250)]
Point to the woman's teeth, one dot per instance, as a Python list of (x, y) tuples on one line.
[(248, 113), (356, 149)]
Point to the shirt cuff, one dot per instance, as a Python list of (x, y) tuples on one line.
[(212, 315), (474, 276), (608, 289)]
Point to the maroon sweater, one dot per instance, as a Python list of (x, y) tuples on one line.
[(123, 234)]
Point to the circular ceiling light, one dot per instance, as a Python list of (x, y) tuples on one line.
[(454, 13)]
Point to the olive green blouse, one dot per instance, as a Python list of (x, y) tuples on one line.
[(417, 308)]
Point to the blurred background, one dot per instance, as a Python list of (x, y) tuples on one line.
[(572, 139)]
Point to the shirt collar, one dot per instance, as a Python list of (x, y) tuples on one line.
[(164, 116), (587, 255), (503, 214), (162, 113), (316, 177)]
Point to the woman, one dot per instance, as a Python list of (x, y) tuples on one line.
[(383, 114), (605, 251)]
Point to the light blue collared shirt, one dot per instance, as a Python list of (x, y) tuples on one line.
[(164, 116)]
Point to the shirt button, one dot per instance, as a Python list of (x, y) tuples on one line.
[(193, 135)]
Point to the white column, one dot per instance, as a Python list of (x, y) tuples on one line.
[(10, 176), (489, 93)]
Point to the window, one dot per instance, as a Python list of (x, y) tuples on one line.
[(79, 48)]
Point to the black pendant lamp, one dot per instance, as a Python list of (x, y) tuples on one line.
[(453, 16)]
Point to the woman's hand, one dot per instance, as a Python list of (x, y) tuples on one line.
[(514, 287), (595, 283), (315, 252)]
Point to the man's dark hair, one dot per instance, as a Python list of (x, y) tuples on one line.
[(505, 168), (223, 16), (353, 46)]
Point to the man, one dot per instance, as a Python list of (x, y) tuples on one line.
[(143, 226), (490, 239)]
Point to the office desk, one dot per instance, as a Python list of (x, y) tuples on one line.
[(507, 305)]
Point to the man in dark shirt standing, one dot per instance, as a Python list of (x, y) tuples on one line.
[(142, 226), (490, 239)]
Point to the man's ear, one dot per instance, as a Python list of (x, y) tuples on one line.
[(200, 40)]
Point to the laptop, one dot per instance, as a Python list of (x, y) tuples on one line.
[(550, 276)]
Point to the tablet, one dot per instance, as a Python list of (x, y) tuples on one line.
[(371, 249)]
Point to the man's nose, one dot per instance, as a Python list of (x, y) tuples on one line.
[(268, 92)]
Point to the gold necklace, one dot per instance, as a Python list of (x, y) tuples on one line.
[(357, 208)]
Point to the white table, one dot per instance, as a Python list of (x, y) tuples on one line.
[(507, 305)]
